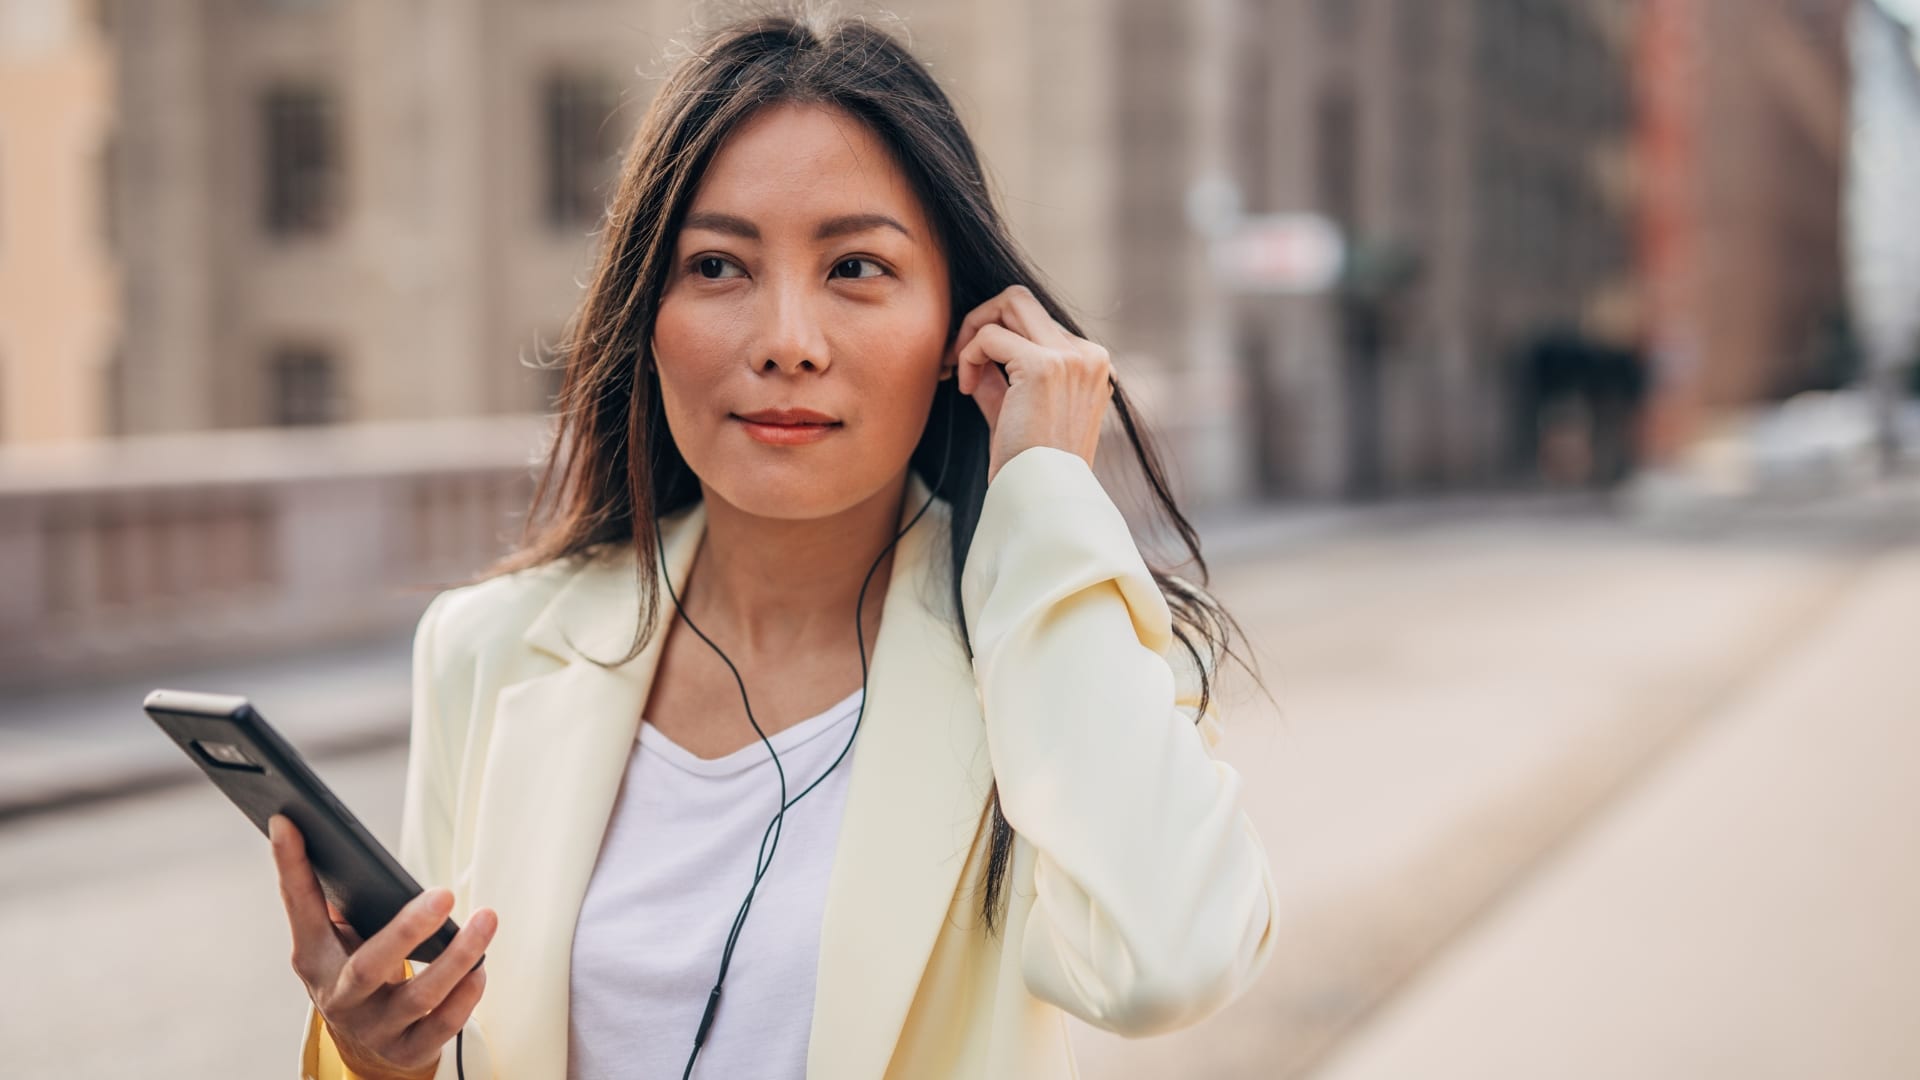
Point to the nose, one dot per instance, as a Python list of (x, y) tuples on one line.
[(790, 335)]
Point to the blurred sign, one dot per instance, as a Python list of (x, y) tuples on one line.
[(1280, 253), (1213, 204)]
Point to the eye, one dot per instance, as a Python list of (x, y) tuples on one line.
[(700, 264), (844, 263)]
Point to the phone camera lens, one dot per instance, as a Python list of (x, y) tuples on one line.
[(226, 753)]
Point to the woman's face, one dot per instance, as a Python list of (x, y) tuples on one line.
[(806, 276)]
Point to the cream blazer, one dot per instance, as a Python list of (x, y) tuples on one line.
[(1139, 897)]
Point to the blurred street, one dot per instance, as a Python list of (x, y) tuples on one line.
[(1554, 793)]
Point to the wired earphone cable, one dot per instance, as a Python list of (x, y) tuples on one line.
[(770, 837), (765, 859)]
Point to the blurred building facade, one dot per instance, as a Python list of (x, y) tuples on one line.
[(351, 209), (1742, 150), (345, 209), (331, 210), (1481, 145), (60, 297)]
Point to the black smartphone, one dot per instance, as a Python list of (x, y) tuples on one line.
[(262, 773)]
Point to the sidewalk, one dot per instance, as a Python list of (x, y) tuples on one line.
[(1750, 909), (60, 748)]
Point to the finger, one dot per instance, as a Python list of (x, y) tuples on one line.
[(971, 359), (982, 314), (371, 966), (995, 344), (987, 312), (993, 350), (425, 991), (990, 395), (1016, 308), (968, 376), (1028, 317), (316, 951), (434, 1029)]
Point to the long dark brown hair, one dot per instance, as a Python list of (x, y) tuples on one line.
[(611, 466)]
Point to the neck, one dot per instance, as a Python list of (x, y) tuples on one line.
[(775, 586)]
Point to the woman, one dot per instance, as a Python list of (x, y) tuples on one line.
[(1015, 816)]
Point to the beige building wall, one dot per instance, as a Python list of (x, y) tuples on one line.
[(59, 285), (442, 274), (438, 274)]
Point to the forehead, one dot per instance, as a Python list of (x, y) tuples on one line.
[(789, 164)]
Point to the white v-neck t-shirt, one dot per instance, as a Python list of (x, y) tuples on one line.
[(677, 860)]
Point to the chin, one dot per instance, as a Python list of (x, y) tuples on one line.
[(799, 483), (776, 493)]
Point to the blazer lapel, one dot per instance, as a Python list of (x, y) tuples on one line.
[(555, 759), (914, 803), (559, 749)]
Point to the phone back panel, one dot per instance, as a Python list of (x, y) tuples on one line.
[(263, 775)]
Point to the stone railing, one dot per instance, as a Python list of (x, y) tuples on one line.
[(127, 555)]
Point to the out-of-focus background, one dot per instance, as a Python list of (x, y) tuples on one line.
[(1540, 374)]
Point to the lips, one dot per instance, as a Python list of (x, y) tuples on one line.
[(787, 417), (787, 427)]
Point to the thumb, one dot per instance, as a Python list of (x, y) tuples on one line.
[(990, 393)]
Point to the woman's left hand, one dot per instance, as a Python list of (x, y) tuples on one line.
[(1036, 384)]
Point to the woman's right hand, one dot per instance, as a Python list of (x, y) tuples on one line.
[(385, 1025)]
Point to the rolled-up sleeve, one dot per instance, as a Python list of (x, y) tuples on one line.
[(1155, 901)]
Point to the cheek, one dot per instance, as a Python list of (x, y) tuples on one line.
[(679, 337), (897, 405), (687, 352), (912, 362)]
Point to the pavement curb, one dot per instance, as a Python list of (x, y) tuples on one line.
[(19, 803)]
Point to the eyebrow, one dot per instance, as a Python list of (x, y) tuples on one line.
[(734, 225)]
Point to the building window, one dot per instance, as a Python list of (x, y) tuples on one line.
[(582, 147), (302, 160), (304, 386)]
